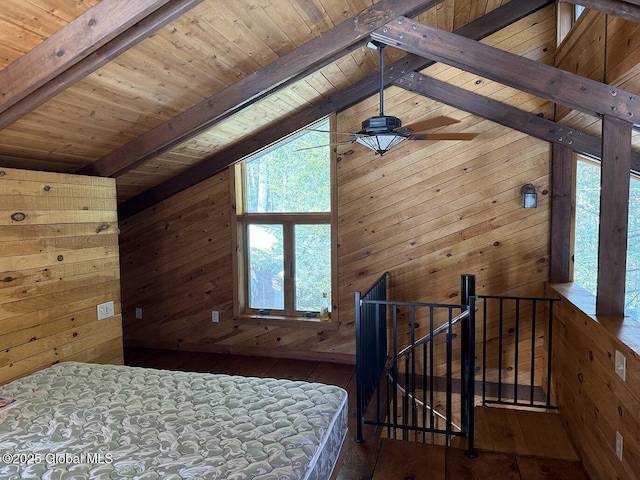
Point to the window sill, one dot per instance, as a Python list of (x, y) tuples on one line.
[(302, 323), (625, 329)]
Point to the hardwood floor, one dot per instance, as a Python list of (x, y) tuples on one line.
[(387, 459)]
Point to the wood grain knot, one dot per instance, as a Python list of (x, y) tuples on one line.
[(2, 173), (47, 188), (18, 216), (60, 258)]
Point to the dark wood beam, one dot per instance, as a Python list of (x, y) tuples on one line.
[(626, 10), (507, 115), (134, 35), (563, 168), (501, 17), (478, 29), (539, 79), (69, 45), (614, 220), (302, 61)]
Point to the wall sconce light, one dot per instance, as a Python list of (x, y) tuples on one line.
[(529, 196)]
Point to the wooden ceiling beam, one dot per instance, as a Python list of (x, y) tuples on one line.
[(296, 64), (69, 45), (618, 8), (359, 91), (103, 55), (537, 78), (507, 115)]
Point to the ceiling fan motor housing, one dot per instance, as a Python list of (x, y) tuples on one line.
[(381, 124)]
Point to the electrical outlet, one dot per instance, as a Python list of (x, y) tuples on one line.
[(106, 310), (619, 443), (138, 313), (621, 365), (215, 316)]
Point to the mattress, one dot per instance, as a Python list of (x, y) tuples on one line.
[(78, 420)]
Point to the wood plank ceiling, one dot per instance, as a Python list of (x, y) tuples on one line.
[(202, 75)]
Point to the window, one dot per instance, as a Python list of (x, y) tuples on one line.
[(283, 225), (567, 16), (586, 235)]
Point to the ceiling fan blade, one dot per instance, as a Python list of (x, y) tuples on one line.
[(430, 123), (443, 136)]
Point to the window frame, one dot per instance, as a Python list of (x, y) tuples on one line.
[(240, 224)]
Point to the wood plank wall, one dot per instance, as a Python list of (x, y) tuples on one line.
[(58, 261), (177, 267), (594, 401), (427, 212)]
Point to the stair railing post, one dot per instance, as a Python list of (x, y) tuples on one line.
[(468, 344), (359, 438), (470, 379)]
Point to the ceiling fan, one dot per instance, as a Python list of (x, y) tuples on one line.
[(383, 132)]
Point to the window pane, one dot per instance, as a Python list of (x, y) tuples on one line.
[(312, 267), (632, 296), (266, 267), (586, 236), (585, 268), (286, 179)]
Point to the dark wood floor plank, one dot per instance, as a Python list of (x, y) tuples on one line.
[(250, 366), (488, 466), (359, 459), (404, 460), (547, 468), (292, 369), (333, 374)]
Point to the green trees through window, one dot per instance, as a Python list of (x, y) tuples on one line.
[(586, 235), (287, 225)]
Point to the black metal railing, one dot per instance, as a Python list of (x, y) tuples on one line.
[(371, 344), (517, 335), (409, 390)]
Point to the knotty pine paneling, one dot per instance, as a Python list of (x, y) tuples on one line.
[(426, 217), (177, 266), (427, 212), (623, 49), (58, 261), (594, 401)]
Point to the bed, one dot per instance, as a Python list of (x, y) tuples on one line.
[(79, 420)]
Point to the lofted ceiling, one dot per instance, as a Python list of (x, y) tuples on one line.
[(161, 93)]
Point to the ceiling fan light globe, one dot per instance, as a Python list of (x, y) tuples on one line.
[(382, 142)]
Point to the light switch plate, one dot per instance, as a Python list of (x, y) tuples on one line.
[(621, 365), (619, 444), (106, 310)]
